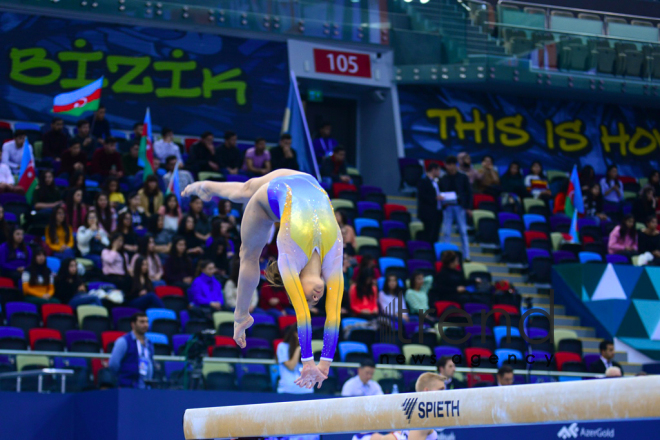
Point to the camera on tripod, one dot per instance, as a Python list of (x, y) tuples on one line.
[(194, 352)]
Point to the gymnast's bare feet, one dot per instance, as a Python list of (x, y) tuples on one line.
[(197, 189), (240, 325)]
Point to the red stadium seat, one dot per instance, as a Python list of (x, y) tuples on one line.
[(276, 342), (587, 239), (389, 208), (428, 162), (338, 187), (4, 124), (477, 199), (561, 357), (98, 364), (386, 243), (189, 142), (6, 282), (534, 235), (36, 334), (627, 179), (49, 309), (475, 378), (441, 306), (109, 337), (224, 341), (162, 291), (484, 353), (285, 321), (511, 310)]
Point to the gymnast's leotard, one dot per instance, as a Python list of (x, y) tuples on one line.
[(308, 224)]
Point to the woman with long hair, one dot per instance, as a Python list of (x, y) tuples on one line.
[(75, 209), (310, 254), (623, 238), (363, 295), (645, 204), (162, 237), (649, 239), (230, 290), (142, 294), (171, 213), (15, 255), (38, 287), (289, 361), (92, 238), (178, 268), (593, 203), (147, 251), (537, 183), (106, 214), (217, 253), (366, 263), (70, 288), (194, 245), (125, 228), (151, 197), (115, 196), (223, 231), (202, 226), (347, 233), (205, 290), (417, 295), (512, 181), (587, 178), (59, 235), (115, 263), (77, 180), (46, 195), (611, 186), (227, 212), (391, 292)]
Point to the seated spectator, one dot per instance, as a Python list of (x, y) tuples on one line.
[(230, 290), (165, 147), (59, 235), (363, 295), (654, 181), (606, 349), (194, 245), (84, 139), (77, 180), (125, 228), (99, 123), (142, 294), (290, 366), (55, 140), (362, 384), (645, 204), (487, 179), (162, 237), (417, 296), (465, 167), (512, 181), (38, 287), (115, 263), (283, 156), (202, 224), (70, 288), (504, 376), (171, 213), (334, 167), (229, 156), (116, 197), (75, 209), (150, 196), (205, 290), (388, 298), (560, 199), (132, 357), (623, 238), (7, 181), (257, 159), (92, 238), (611, 186), (593, 203), (649, 239), (447, 368), (46, 194), (5, 227), (130, 160), (203, 155), (185, 178), (273, 298), (12, 151), (537, 183), (217, 253), (450, 283), (367, 263), (147, 251), (587, 178), (224, 229), (138, 127), (178, 270), (347, 232), (136, 211), (324, 144), (106, 161), (15, 255), (226, 212), (105, 212), (73, 159)]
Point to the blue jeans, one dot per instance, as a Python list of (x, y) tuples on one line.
[(148, 301), (85, 298), (456, 213), (67, 253), (159, 283)]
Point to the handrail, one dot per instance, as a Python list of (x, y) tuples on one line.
[(586, 11), (19, 375)]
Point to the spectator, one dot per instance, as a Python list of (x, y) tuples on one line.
[(150, 196), (15, 255), (649, 239), (417, 296), (131, 159), (138, 127), (290, 366), (283, 156), (230, 159), (84, 139), (334, 167), (587, 178), (429, 206), (59, 235), (73, 159), (202, 225), (178, 269), (611, 186), (388, 298), (623, 238), (106, 161), (537, 183), (5, 227), (46, 194), (171, 213), (147, 251), (465, 167), (106, 214), (132, 357), (257, 159), (205, 290), (142, 294), (165, 147), (654, 181), (116, 197), (324, 145), (488, 179), (7, 181), (75, 209), (38, 280), (12, 151), (135, 209), (203, 155), (347, 232), (606, 360), (274, 299), (185, 178), (70, 288), (362, 384), (645, 204), (77, 180), (560, 199), (226, 212), (100, 127), (450, 283), (454, 211), (194, 245), (55, 140), (613, 372), (513, 182), (364, 296), (115, 263), (230, 290), (217, 253), (504, 376), (125, 228), (447, 368), (162, 238), (593, 203), (92, 238), (366, 263)]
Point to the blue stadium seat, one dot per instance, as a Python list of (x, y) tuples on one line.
[(440, 247), (364, 222), (504, 353), (157, 338), (153, 314), (506, 233), (500, 331), (385, 262), (347, 347), (533, 218), (585, 257)]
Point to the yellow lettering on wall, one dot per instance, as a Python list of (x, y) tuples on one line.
[(608, 139), (490, 123), (646, 149), (443, 115), (571, 130), (512, 134), (550, 134), (475, 126)]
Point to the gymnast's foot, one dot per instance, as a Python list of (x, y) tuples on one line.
[(197, 189), (240, 325)]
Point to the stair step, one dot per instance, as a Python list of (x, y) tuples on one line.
[(570, 321), (619, 356), (479, 257), (582, 332), (631, 368)]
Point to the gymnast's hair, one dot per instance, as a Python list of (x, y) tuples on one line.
[(425, 380), (272, 274)]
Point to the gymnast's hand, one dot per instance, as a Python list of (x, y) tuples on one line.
[(240, 325), (197, 189), (310, 375)]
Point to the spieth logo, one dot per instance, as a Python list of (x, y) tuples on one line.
[(570, 431), (408, 406)]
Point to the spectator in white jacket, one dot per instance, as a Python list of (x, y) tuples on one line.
[(165, 147), (12, 151), (92, 238)]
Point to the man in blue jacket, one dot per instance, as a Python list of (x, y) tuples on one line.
[(132, 357)]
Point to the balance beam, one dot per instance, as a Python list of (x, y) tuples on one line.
[(600, 399)]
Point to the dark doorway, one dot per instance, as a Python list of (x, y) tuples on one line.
[(342, 114)]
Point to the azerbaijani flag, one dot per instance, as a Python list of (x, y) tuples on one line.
[(146, 154), (79, 101), (27, 177), (574, 202), (174, 186)]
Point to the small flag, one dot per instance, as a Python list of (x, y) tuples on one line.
[(27, 177), (574, 200), (79, 101), (174, 187), (146, 154), (574, 230)]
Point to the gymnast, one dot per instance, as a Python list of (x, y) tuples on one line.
[(310, 255)]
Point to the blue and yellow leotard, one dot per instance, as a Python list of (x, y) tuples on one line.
[(308, 224)]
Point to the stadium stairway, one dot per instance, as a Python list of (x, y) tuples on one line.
[(539, 295)]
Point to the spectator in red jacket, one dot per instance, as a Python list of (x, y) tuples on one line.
[(73, 159), (363, 294), (107, 161), (274, 300)]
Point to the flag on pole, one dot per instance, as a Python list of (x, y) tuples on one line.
[(295, 124), (174, 185), (574, 200), (574, 230), (146, 154), (27, 177), (79, 101)]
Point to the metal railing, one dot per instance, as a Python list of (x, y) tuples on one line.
[(19, 375)]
